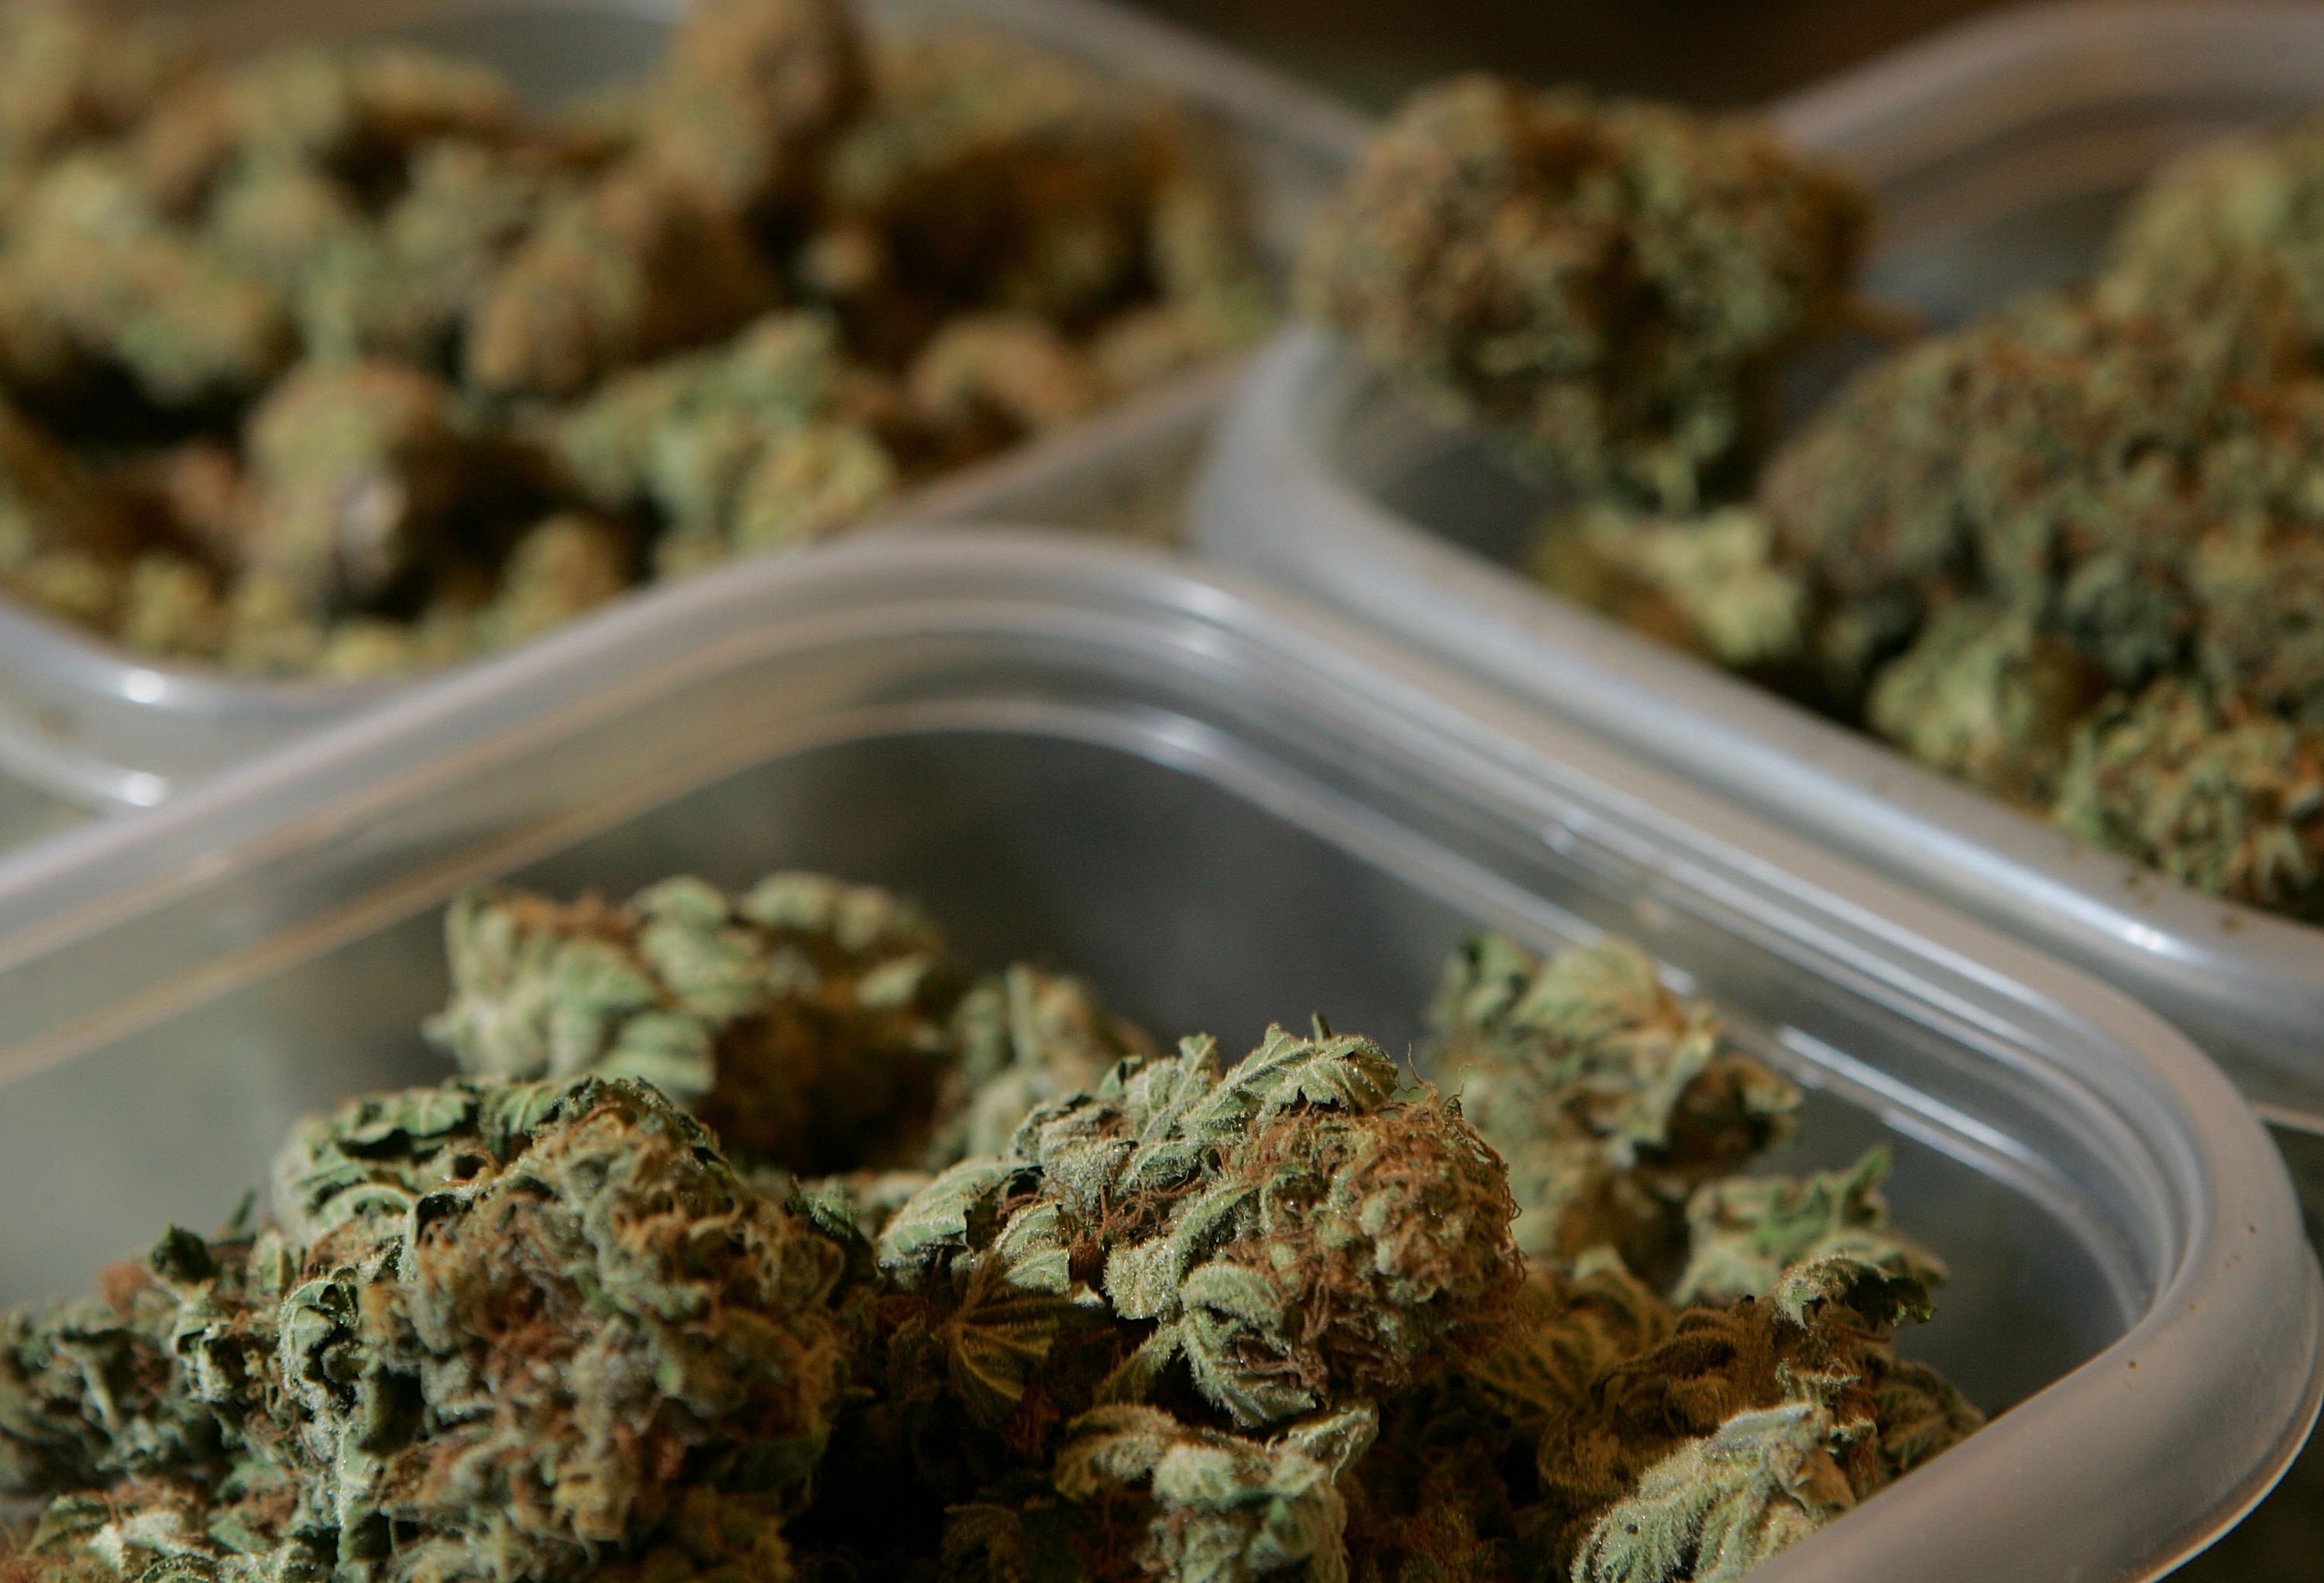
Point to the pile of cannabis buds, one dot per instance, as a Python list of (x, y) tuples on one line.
[(983, 1285), (2073, 553), (340, 363)]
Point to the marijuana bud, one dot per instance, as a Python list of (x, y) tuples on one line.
[(2223, 246), (1609, 1098), (90, 259), (446, 374), (1227, 1509), (514, 1328), (357, 473), (514, 1452), (1021, 1039), (92, 1393), (1819, 1340), (744, 447), (1608, 287), (1708, 583), (69, 74), (1297, 1236), (803, 1019), (1717, 1507), (403, 286), (2058, 461), (1746, 1231), (1157, 1316), (2216, 793), (750, 93), (990, 172), (1985, 695), (561, 566), (637, 264), (984, 380)]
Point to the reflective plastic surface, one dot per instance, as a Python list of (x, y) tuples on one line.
[(1227, 810)]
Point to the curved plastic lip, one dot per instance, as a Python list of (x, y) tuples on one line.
[(2215, 1374), (83, 720), (2249, 984)]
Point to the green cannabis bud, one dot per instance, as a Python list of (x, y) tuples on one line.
[(511, 1329), (805, 1019), (1650, 1435), (403, 286), (1610, 1098), (750, 95), (101, 271), (2217, 795), (1021, 1039), (1608, 287), (69, 75), (1712, 584), (1717, 1507), (746, 447), (636, 266), (2023, 538), (1745, 1232), (2223, 245), (992, 173), (1226, 1509), (1986, 695), (2068, 554), (1065, 1309), (364, 370), (1297, 1236), (356, 473), (2058, 461)]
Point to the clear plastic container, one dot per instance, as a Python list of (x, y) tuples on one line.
[(1227, 808), (2000, 153), (83, 720)]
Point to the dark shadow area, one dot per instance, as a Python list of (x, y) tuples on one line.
[(1721, 53)]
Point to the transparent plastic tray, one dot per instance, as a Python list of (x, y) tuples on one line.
[(84, 721), (1227, 808), (2000, 153)]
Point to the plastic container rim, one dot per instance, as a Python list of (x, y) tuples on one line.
[(2225, 1185)]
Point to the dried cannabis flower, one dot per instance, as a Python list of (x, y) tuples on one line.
[(736, 307), (68, 74), (2058, 461), (804, 1020), (1606, 1434), (1226, 1509), (637, 266), (2226, 246), (2012, 533), (1984, 694), (742, 448), (92, 262), (356, 473), (535, 1326), (1608, 287), (991, 174), (2218, 796), (1709, 583), (1820, 1339), (1609, 1098), (750, 93), (1745, 1232), (1298, 1237), (1022, 1039), (1717, 1507), (1160, 1320)]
